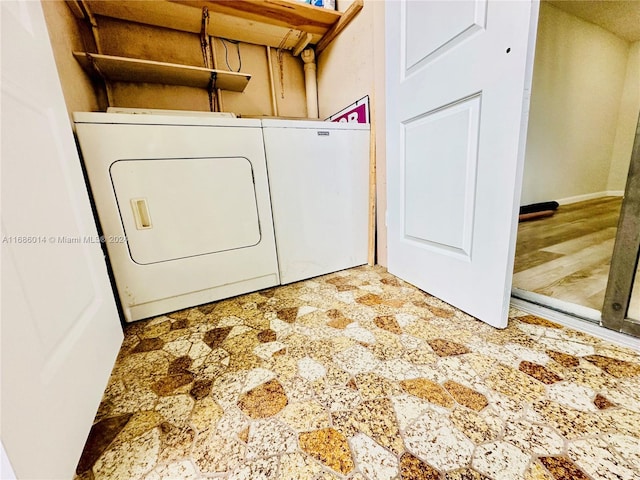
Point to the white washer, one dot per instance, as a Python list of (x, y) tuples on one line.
[(319, 180), (184, 206)]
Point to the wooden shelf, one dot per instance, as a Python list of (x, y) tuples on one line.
[(283, 24), (125, 69)]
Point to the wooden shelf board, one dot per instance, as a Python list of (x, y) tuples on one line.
[(284, 13), (234, 28), (123, 69), (158, 13), (276, 23)]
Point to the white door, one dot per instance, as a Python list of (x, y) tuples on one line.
[(458, 85), (60, 327)]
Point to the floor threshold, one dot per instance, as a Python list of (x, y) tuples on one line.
[(570, 315)]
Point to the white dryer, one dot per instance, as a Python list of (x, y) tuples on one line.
[(184, 207)]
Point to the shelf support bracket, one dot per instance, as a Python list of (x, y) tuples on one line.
[(211, 88), (206, 53), (349, 14), (302, 44), (204, 38)]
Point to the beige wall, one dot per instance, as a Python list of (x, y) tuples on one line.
[(345, 68), (153, 43), (66, 35), (350, 68), (578, 81), (627, 121)]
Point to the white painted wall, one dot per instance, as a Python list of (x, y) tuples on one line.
[(627, 121), (578, 82)]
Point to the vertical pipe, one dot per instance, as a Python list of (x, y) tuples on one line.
[(310, 82), (274, 103)]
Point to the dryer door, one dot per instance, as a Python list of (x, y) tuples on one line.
[(185, 207)]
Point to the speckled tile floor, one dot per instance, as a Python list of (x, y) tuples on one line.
[(357, 375)]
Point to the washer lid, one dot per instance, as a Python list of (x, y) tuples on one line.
[(313, 124), (142, 119)]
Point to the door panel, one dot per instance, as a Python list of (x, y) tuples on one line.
[(60, 327), (428, 35), (439, 202), (458, 84), (59, 221)]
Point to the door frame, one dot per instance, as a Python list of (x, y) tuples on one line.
[(620, 283), (624, 261)]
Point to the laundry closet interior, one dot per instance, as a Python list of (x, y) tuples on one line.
[(212, 173)]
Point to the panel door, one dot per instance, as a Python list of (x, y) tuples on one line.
[(60, 327), (458, 87)]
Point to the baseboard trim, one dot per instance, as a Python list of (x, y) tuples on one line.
[(531, 305), (615, 193), (590, 196)]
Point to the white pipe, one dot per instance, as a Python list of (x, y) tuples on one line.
[(272, 86), (310, 82)]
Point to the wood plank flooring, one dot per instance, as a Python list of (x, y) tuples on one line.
[(567, 256)]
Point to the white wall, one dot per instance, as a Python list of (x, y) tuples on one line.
[(627, 122), (578, 80)]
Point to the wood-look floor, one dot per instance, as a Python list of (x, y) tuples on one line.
[(567, 256)]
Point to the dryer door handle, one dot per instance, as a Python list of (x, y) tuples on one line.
[(141, 213)]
